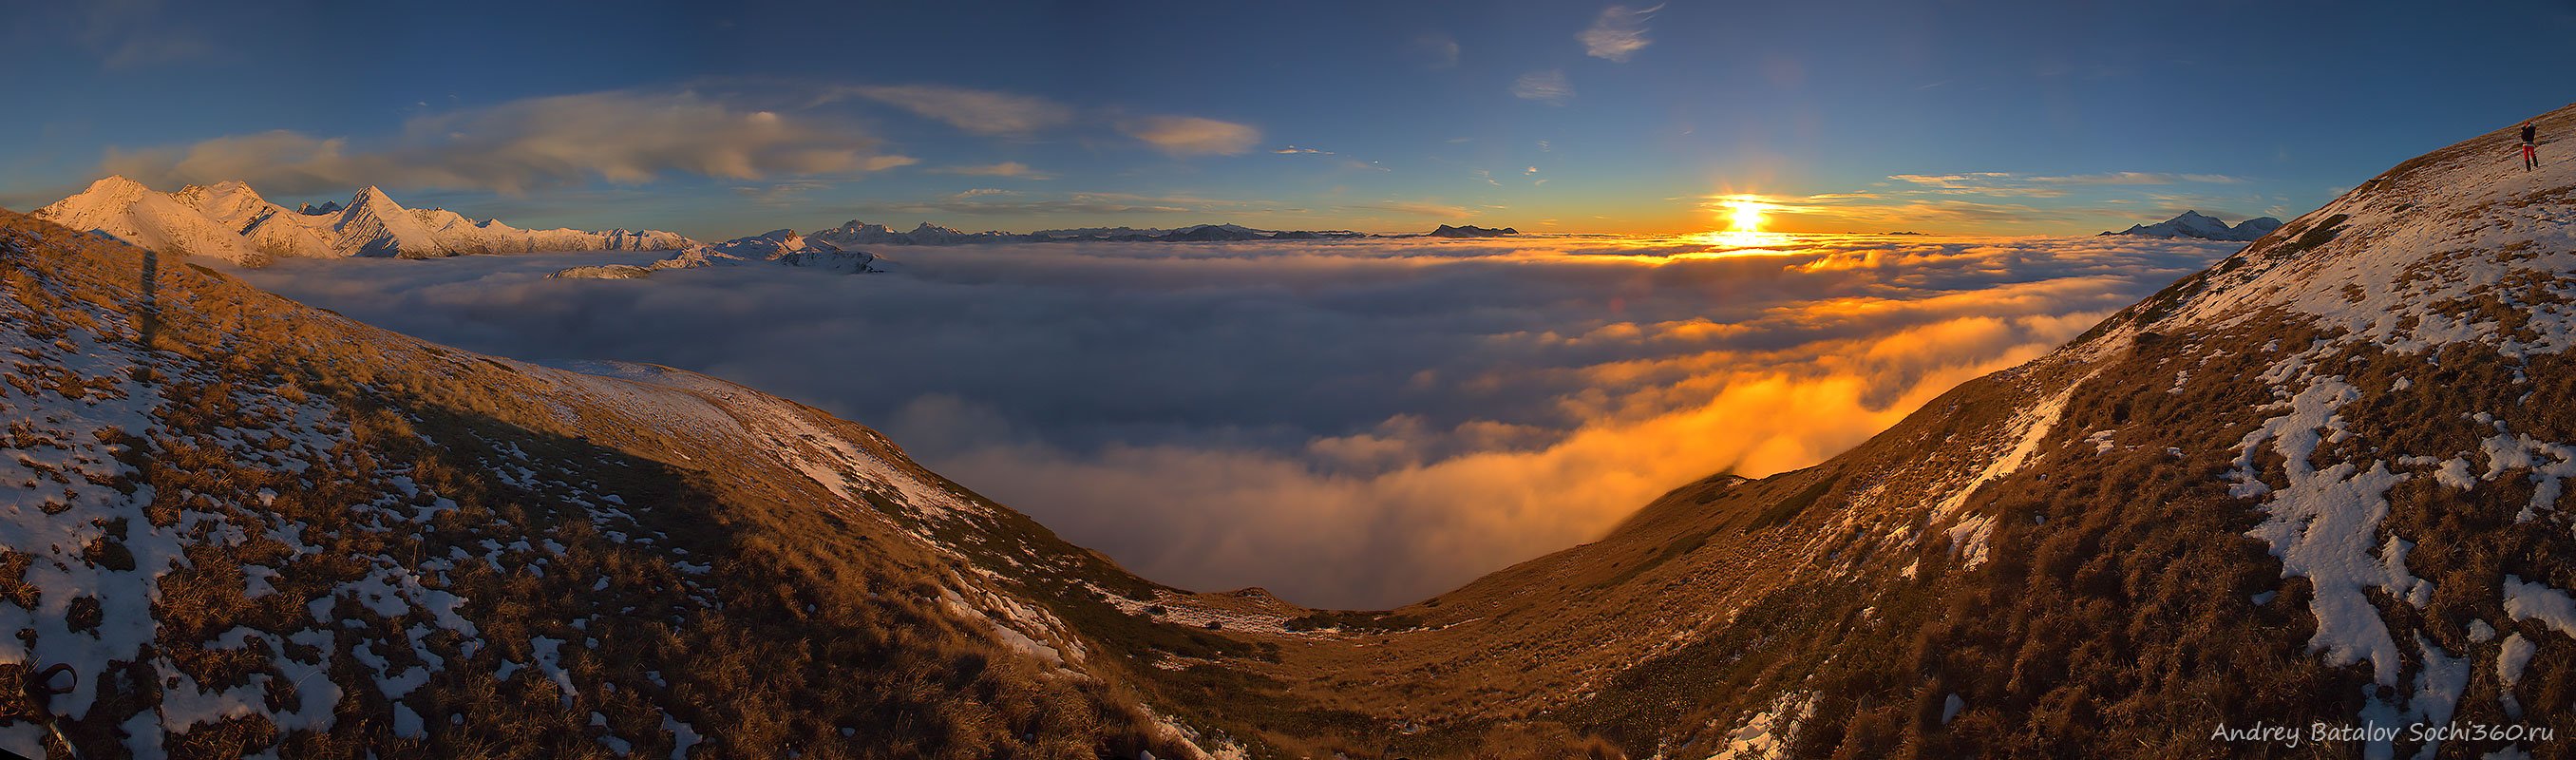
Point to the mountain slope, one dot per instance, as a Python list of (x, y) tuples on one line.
[(251, 527)]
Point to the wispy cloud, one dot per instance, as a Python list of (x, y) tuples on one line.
[(1013, 169), (522, 145), (1618, 33), (1548, 87), (1438, 50), (779, 194), (982, 112), (1191, 135), (2008, 183), (1416, 208), (997, 202), (129, 34)]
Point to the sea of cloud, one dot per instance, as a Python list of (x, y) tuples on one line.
[(1350, 424)]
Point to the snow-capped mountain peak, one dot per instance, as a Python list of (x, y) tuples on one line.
[(124, 209), (231, 221), (2193, 224)]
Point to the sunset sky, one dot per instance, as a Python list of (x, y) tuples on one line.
[(718, 120)]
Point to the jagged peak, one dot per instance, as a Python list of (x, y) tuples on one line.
[(372, 195)]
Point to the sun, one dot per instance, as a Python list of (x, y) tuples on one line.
[(1747, 215)]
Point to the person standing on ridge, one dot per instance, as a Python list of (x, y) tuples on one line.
[(2530, 158)]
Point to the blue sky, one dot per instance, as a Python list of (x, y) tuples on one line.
[(1582, 117)]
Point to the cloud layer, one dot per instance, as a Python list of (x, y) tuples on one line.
[(1349, 424), (522, 145)]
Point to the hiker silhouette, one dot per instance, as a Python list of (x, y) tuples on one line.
[(2530, 158)]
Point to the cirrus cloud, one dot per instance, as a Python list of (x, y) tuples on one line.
[(1012, 169), (1548, 87), (1618, 33)]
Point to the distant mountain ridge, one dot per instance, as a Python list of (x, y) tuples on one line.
[(858, 233), (781, 247), (1471, 231), (2193, 224), (230, 221)]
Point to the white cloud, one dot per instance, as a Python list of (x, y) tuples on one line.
[(522, 145), (1618, 33), (1548, 87), (1191, 135), (981, 112)]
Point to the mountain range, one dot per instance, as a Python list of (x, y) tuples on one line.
[(858, 233), (781, 247), (230, 221), (2320, 483), (2193, 224)]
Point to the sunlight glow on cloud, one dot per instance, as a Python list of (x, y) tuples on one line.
[(1192, 135), (1353, 424), (522, 145)]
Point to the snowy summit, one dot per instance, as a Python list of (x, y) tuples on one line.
[(2193, 224), (230, 221)]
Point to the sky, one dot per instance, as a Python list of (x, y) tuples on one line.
[(726, 119), (1352, 424)]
